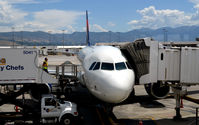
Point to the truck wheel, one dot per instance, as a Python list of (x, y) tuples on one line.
[(67, 120)]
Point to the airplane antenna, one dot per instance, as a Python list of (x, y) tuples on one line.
[(87, 29)]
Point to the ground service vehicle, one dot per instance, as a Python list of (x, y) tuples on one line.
[(20, 74), (52, 110)]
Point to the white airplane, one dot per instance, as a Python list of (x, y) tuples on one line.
[(106, 72)]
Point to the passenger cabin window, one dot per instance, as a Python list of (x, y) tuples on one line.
[(120, 66), (97, 66), (92, 65), (107, 66)]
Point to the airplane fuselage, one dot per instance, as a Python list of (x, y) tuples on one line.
[(106, 73)]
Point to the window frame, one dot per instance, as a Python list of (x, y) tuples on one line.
[(94, 68), (128, 65)]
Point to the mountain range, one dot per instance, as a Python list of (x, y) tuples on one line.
[(185, 33)]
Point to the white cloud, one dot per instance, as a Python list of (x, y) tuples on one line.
[(111, 24), (194, 1), (53, 20), (10, 15), (153, 18), (97, 28), (20, 1), (31, 1)]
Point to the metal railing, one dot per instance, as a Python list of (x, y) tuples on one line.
[(68, 70)]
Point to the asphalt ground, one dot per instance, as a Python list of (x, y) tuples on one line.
[(130, 112), (135, 109), (159, 112), (138, 108)]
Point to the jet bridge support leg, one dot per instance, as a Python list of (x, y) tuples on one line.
[(179, 91), (177, 108)]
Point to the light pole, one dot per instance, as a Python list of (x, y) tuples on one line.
[(49, 36), (13, 37), (165, 35), (22, 37), (63, 37), (110, 36), (118, 36)]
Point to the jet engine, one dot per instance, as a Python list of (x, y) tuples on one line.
[(157, 90), (37, 90)]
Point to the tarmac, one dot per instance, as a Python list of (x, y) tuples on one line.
[(161, 112), (135, 109)]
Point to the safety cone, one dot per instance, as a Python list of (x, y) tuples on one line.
[(140, 123), (17, 108), (181, 103)]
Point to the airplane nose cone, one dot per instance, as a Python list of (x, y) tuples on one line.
[(124, 80), (121, 85)]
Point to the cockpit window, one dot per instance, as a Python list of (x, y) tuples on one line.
[(97, 66), (107, 66), (120, 66), (92, 65)]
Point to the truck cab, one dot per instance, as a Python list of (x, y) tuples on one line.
[(52, 110)]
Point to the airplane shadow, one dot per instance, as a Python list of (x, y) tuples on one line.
[(81, 96), (184, 121), (144, 101), (193, 92)]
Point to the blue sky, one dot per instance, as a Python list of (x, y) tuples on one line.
[(104, 15)]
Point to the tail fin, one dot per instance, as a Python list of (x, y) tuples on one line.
[(87, 29)]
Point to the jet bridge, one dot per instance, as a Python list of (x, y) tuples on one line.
[(160, 65), (155, 61)]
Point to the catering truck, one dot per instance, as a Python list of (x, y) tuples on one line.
[(21, 75), (19, 66)]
